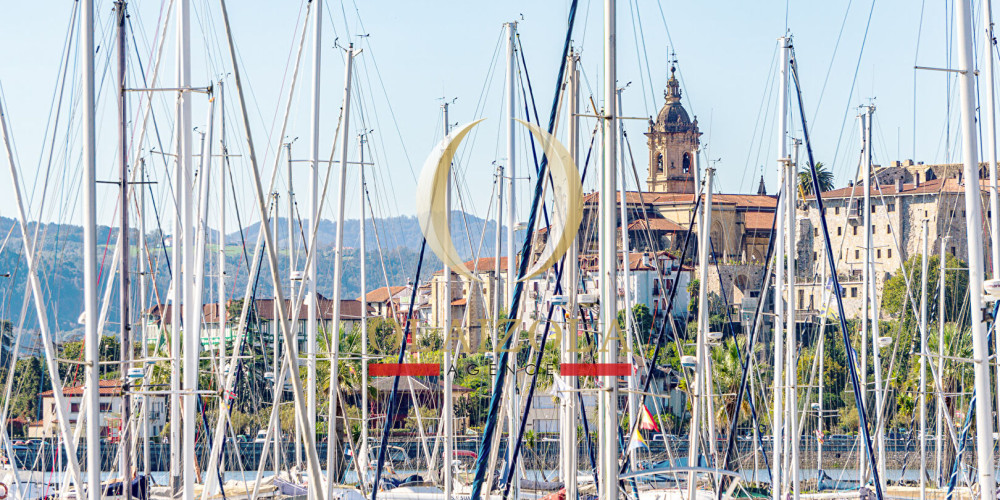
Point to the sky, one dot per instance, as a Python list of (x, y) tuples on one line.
[(415, 55)]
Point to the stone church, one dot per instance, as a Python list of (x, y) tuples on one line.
[(659, 216)]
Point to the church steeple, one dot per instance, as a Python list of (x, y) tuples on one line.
[(673, 139), (673, 92)]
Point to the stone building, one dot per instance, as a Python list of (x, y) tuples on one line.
[(470, 301), (897, 213)]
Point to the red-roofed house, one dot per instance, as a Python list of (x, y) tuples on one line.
[(110, 410)]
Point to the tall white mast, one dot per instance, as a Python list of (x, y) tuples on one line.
[(923, 365), (446, 412), (872, 305), (790, 340), (567, 418), (191, 312), (221, 247), (633, 400), (513, 402), (980, 351), (698, 394), (608, 399), (779, 341), (991, 144), (938, 432), (363, 256), (91, 335), (510, 168), (865, 269), (991, 151), (333, 443), (143, 252), (312, 304)]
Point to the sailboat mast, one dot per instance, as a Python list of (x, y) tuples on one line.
[(872, 305), (938, 431), (633, 400), (701, 354), (865, 268), (991, 151), (974, 239), (363, 258), (777, 439), (333, 444), (511, 169), (790, 340), (608, 396), (125, 352), (923, 363), (513, 403), (312, 303), (221, 247), (91, 335), (143, 253), (292, 278), (567, 419), (446, 417)]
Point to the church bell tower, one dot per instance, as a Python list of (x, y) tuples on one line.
[(673, 140)]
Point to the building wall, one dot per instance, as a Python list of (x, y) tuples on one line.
[(110, 411)]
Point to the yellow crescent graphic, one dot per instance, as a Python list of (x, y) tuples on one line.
[(567, 194), (432, 211)]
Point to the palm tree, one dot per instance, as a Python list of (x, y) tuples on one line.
[(727, 372), (825, 179)]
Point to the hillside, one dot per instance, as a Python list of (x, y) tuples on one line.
[(61, 263)]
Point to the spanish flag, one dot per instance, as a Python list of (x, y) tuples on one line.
[(646, 421)]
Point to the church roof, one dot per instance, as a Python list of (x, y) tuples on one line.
[(745, 201)]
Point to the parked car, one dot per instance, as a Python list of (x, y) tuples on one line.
[(261, 436)]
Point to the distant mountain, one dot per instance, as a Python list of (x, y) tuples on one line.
[(392, 232), (393, 241)]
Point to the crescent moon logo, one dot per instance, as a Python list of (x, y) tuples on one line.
[(432, 196), (567, 194), (567, 197)]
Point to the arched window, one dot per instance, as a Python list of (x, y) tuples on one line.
[(659, 163), (686, 164)]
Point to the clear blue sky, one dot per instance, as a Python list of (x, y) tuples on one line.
[(417, 52)]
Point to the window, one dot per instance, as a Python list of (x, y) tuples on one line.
[(836, 210), (873, 208), (659, 163), (855, 230), (953, 250), (812, 303), (802, 300), (75, 407), (925, 213), (873, 228), (857, 253), (105, 407), (815, 231), (890, 207), (888, 229), (838, 230), (888, 253), (878, 253), (686, 163), (814, 255), (854, 291)]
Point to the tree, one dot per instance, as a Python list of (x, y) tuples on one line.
[(894, 295), (643, 321), (825, 178)]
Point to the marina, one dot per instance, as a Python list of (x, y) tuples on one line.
[(249, 251)]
